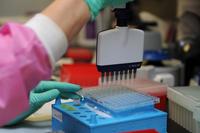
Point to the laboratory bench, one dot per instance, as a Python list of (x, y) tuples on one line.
[(29, 127), (45, 127), (176, 107)]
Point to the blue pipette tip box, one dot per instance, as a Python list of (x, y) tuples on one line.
[(113, 109)]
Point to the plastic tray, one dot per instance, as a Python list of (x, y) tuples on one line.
[(118, 100), (149, 87)]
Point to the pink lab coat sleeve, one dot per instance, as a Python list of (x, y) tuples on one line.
[(23, 63)]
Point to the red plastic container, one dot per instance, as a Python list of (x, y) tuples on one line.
[(80, 54), (144, 131), (85, 75)]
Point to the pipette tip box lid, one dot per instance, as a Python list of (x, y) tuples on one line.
[(184, 107)]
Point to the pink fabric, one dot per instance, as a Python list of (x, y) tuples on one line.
[(23, 63)]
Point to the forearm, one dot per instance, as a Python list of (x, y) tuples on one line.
[(69, 15)]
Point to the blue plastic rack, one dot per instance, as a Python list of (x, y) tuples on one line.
[(97, 114)]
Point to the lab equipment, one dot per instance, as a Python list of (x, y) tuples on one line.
[(184, 107), (120, 50), (187, 49), (165, 78), (170, 72), (113, 109), (117, 100), (45, 92)]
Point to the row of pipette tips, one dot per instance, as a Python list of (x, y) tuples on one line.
[(117, 76)]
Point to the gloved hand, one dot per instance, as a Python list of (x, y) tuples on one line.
[(45, 92), (96, 6)]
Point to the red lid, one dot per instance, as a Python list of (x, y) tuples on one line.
[(80, 54)]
